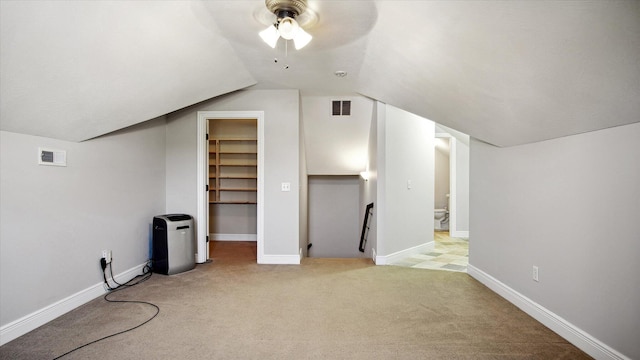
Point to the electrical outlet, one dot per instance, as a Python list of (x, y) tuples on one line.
[(106, 254), (534, 273)]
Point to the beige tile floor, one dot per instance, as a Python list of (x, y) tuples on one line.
[(450, 254)]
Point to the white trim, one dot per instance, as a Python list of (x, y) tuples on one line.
[(459, 234), (233, 237), (399, 255), (280, 259), (202, 199), (203, 202), (562, 327), (260, 205), (40, 317), (453, 190), (380, 209), (453, 185)]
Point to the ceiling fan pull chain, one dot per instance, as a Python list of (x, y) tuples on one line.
[(286, 53)]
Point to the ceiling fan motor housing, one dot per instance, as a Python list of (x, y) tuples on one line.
[(286, 8)]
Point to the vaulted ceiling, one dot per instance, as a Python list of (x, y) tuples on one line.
[(505, 72)]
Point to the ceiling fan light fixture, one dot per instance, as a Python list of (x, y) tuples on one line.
[(302, 39), (286, 25), (270, 35), (288, 28)]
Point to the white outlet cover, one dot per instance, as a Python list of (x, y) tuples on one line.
[(286, 186)]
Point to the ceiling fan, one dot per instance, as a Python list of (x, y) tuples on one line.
[(286, 26)]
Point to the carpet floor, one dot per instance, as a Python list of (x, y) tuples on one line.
[(233, 308)]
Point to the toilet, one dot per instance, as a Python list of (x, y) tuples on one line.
[(441, 219)]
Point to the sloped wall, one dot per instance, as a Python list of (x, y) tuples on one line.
[(369, 187)]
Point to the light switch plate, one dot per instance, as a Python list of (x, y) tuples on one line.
[(286, 186)]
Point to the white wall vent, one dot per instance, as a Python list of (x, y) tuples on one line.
[(52, 157), (341, 108)]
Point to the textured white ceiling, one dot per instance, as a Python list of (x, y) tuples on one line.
[(505, 72)]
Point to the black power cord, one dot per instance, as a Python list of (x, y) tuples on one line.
[(146, 274)]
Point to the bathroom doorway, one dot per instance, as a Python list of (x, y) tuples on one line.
[(442, 183), (453, 145), (451, 237)]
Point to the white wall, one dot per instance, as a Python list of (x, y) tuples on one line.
[(334, 216), (54, 221), (181, 164), (406, 150), (241, 219), (336, 145), (281, 154), (369, 188), (461, 221), (570, 206), (303, 192)]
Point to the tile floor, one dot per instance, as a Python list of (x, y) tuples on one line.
[(450, 254)]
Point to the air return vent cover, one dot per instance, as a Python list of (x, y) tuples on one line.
[(341, 107), (52, 157)]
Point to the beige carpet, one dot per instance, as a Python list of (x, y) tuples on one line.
[(322, 309)]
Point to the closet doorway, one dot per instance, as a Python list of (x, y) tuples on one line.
[(230, 170)]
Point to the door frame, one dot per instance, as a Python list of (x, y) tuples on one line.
[(202, 220), (453, 192)]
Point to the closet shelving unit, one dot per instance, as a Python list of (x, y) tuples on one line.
[(233, 174)]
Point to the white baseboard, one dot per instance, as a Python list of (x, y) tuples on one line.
[(233, 237), (279, 259), (399, 255), (459, 234), (40, 317), (562, 327)]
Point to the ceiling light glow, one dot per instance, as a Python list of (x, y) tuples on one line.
[(270, 35), (288, 28), (302, 39)]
